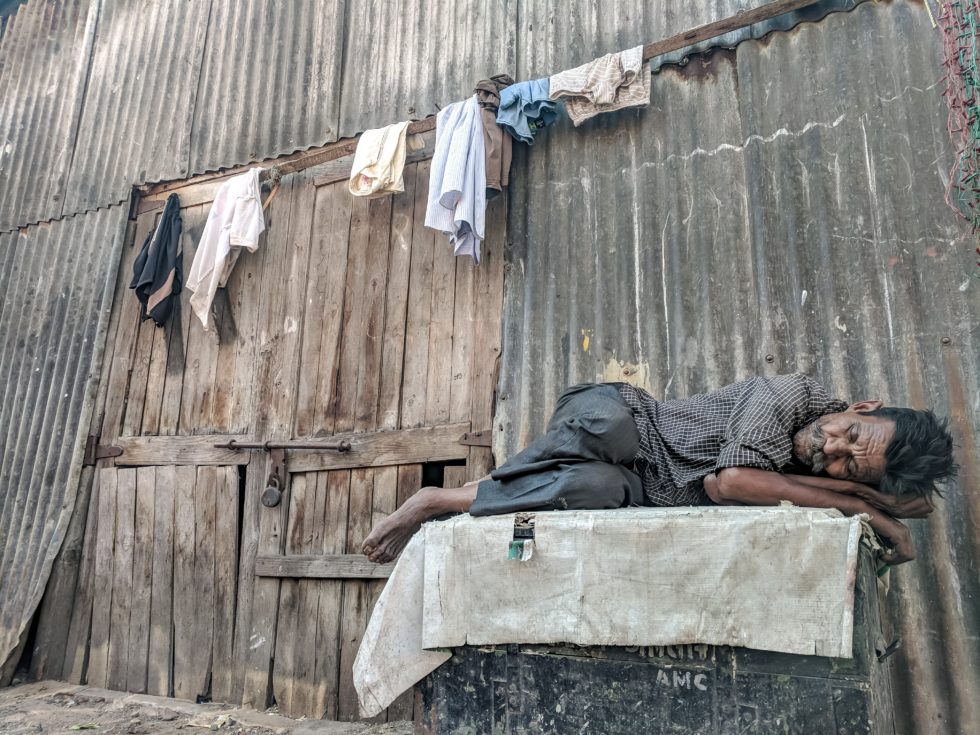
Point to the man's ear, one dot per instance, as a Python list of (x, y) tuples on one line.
[(865, 406)]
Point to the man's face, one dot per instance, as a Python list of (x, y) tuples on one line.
[(846, 446)]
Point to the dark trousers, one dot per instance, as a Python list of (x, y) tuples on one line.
[(583, 461)]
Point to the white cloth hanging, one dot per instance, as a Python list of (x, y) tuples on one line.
[(458, 178), (234, 223)]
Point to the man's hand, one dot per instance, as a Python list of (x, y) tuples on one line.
[(899, 537), (750, 486)]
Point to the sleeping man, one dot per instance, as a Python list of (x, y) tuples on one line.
[(756, 442)]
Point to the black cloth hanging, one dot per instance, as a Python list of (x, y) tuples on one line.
[(158, 273)]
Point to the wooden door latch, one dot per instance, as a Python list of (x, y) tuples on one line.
[(477, 438)]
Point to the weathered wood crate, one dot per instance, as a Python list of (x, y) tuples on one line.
[(683, 690)]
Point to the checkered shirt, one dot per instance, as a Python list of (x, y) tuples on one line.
[(746, 424)]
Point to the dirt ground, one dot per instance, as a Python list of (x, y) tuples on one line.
[(59, 708)]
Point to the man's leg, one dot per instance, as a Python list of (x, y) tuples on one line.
[(388, 538), (591, 424)]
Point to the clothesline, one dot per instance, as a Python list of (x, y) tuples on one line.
[(676, 42)]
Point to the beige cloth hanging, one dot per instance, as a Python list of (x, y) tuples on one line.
[(379, 162), (612, 82)]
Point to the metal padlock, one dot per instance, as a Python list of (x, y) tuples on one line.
[(272, 494)]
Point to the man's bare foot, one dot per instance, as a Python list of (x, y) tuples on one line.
[(389, 537)]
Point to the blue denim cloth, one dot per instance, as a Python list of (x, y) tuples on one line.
[(583, 461), (525, 108)]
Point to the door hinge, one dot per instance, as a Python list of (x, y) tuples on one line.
[(477, 438), (95, 451)]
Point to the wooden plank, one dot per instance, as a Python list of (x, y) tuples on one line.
[(80, 627), (321, 566), (139, 616), (185, 587), (232, 405), (156, 378), (439, 378), (464, 324), (179, 450), (409, 482), (274, 405), (419, 308), (193, 221), (322, 323), (357, 594), (139, 374), (372, 298), (200, 370), (708, 31), (102, 589), (396, 303), (254, 514), (161, 597), (122, 580), (200, 356), (290, 636), (488, 304), (327, 673), (202, 631), (192, 193), (377, 449), (225, 577), (353, 318), (454, 476)]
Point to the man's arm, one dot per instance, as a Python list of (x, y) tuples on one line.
[(750, 486), (914, 507)]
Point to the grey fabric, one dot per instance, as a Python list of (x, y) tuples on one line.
[(582, 461)]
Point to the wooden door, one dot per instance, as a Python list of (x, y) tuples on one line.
[(351, 320)]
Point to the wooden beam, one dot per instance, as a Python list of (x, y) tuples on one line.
[(368, 449), (742, 19), (321, 566), (382, 448), (178, 450)]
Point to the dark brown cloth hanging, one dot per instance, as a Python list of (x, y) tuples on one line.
[(158, 273), (498, 144)]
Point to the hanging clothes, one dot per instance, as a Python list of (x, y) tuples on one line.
[(159, 268), (525, 108), (612, 82), (234, 223), (379, 161), (457, 180), (498, 146)]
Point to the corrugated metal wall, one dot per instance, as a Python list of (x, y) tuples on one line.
[(777, 208), (44, 60), (55, 284)]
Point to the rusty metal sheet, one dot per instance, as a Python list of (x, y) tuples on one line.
[(139, 102), (777, 208), (404, 60), (269, 81), (44, 53), (56, 285)]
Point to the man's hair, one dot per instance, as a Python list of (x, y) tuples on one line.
[(919, 455)]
